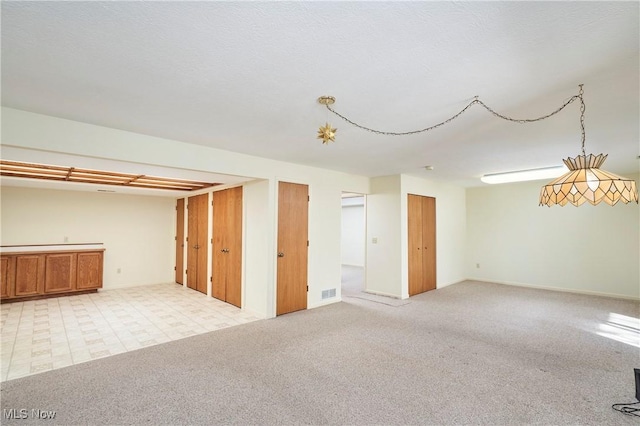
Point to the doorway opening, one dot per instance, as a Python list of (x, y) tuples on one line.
[(353, 243)]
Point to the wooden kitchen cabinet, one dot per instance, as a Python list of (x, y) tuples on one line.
[(29, 275), (89, 274), (33, 275), (60, 272), (8, 274)]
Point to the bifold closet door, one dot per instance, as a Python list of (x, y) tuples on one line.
[(227, 246), (180, 241), (197, 231), (421, 222), (293, 230)]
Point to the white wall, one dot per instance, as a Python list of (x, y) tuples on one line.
[(258, 237), (137, 231), (353, 231), (325, 269), (590, 249), (383, 267)]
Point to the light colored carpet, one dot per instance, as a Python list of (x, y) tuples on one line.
[(470, 353)]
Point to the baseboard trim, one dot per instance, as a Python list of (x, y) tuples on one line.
[(560, 289), (325, 303)]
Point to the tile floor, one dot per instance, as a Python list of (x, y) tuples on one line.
[(46, 334)]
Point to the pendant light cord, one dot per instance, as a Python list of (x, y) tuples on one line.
[(582, 108), (485, 106)]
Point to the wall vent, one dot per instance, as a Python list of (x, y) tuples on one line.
[(328, 294)]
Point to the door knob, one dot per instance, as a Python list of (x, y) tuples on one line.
[(280, 254)]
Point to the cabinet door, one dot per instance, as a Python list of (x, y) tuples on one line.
[(60, 272), (29, 274), (89, 271), (7, 276)]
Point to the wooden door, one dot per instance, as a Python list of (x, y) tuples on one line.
[(421, 223), (428, 243), (414, 223), (89, 270), (293, 228), (197, 242), (227, 246), (29, 278), (180, 241)]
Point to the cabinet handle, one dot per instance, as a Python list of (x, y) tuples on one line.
[(280, 254)]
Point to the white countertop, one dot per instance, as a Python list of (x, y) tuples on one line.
[(51, 247)]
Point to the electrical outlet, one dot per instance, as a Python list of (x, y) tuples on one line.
[(119, 270), (374, 240), (66, 239), (477, 266)]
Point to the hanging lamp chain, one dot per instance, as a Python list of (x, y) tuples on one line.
[(475, 101), (582, 108)]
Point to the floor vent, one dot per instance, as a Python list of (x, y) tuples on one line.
[(328, 294)]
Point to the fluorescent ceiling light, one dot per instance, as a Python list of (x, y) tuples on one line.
[(524, 175)]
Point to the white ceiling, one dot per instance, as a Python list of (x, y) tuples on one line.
[(245, 76)]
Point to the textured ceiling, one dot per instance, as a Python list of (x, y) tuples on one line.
[(245, 76)]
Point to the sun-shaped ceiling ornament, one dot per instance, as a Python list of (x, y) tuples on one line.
[(326, 132)]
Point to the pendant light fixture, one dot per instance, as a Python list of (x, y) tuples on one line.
[(586, 182), (326, 132)]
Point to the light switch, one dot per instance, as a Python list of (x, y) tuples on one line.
[(374, 240)]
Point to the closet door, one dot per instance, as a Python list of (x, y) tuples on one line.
[(227, 246), (428, 243), (234, 246), (197, 242), (180, 241), (421, 223), (293, 228), (414, 223)]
